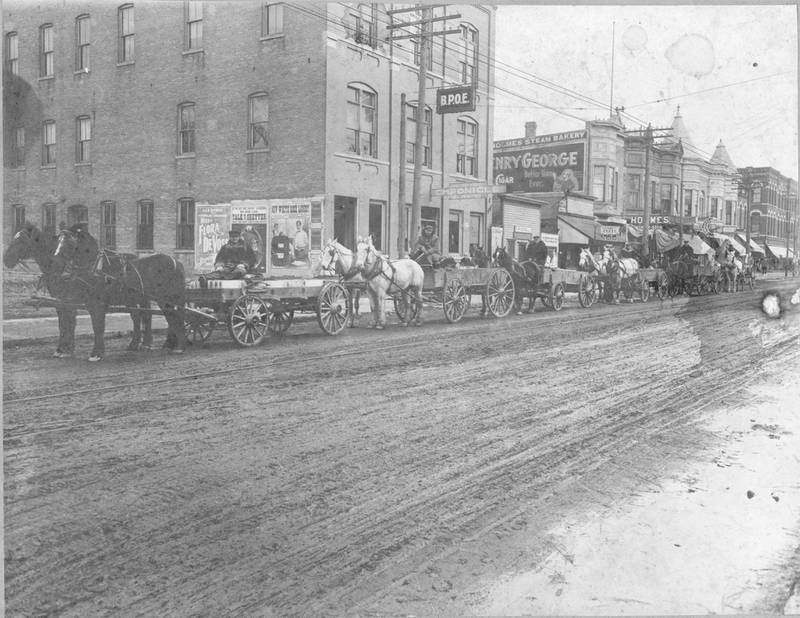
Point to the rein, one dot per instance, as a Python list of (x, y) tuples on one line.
[(378, 269)]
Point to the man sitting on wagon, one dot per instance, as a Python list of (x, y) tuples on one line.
[(234, 259), (427, 247), (686, 253)]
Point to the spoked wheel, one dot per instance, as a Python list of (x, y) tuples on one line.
[(455, 300), (249, 320), (557, 296), (644, 290), (627, 288), (751, 281), (662, 288), (333, 308), (406, 310), (587, 291), (280, 320), (500, 293), (198, 328), (715, 285)]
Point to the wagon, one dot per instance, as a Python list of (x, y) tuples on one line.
[(453, 288), (656, 280), (253, 309), (556, 282), (693, 277)]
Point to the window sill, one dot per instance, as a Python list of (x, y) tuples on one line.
[(126, 63), (186, 156), (192, 52), (272, 37), (81, 72), (84, 164), (185, 251), (357, 157), (48, 166), (45, 78), (256, 151)]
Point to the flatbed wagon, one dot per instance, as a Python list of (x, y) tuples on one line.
[(555, 283), (253, 309)]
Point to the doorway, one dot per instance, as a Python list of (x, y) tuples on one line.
[(344, 220)]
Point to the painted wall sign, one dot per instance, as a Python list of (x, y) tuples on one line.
[(654, 220), (466, 190), (543, 169), (455, 99), (551, 138)]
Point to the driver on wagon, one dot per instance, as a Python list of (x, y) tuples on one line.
[(427, 245), (235, 257)]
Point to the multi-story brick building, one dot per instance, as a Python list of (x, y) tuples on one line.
[(773, 210), (138, 118)]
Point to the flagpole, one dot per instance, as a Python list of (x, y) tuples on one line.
[(611, 100)]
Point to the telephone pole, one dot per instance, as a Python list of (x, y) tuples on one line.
[(423, 38)]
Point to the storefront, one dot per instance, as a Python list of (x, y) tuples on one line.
[(520, 218)]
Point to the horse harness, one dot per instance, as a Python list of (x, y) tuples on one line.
[(377, 269)]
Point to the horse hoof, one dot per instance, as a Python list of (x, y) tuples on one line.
[(518, 313), (379, 327), (62, 355), (94, 358), (177, 351)]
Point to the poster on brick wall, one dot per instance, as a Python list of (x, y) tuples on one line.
[(251, 218), (212, 223), (290, 240)]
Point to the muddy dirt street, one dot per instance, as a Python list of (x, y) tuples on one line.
[(486, 467)]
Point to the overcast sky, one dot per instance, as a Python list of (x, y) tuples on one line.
[(660, 52)]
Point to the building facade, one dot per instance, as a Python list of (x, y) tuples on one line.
[(773, 210), (160, 124)]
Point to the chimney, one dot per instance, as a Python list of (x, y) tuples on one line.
[(530, 129)]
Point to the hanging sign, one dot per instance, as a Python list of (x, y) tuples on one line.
[(455, 99)]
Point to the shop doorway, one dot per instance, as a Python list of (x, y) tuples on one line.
[(344, 220)]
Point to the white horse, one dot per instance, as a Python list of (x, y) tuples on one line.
[(591, 264), (385, 278), (339, 259), (733, 270), (620, 270)]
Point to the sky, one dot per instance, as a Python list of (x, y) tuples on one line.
[(731, 68)]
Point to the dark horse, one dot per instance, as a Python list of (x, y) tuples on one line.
[(525, 275), (110, 278)]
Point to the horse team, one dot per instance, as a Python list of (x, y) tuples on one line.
[(76, 273)]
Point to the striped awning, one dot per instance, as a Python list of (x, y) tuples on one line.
[(575, 230), (736, 244), (754, 246), (779, 252)]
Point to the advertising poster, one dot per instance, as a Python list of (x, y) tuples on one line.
[(541, 169), (290, 237), (251, 218), (212, 223)]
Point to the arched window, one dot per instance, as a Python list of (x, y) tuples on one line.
[(412, 115), (12, 53), (108, 224), (186, 129), (82, 43), (362, 107), (125, 34), (258, 121), (467, 146), (83, 139), (49, 219), (469, 54), (47, 55), (77, 213), (144, 231)]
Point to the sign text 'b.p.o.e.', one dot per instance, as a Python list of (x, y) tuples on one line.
[(455, 99)]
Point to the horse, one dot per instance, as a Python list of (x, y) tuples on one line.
[(733, 269), (120, 279), (31, 243), (342, 261), (619, 270), (385, 277), (526, 276), (587, 262)]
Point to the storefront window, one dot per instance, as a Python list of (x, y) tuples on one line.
[(475, 230), (454, 232)]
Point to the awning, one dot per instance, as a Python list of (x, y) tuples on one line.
[(779, 252), (666, 241), (723, 237), (574, 230), (754, 246), (699, 246)]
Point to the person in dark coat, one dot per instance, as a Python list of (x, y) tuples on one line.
[(427, 245), (235, 258), (537, 251), (686, 253)]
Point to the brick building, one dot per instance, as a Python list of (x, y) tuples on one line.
[(138, 117), (773, 212)]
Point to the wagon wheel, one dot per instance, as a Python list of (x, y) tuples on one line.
[(500, 293), (248, 320), (406, 311), (454, 300), (587, 291), (662, 287), (751, 281), (197, 328), (333, 308), (715, 284), (644, 291), (557, 296), (279, 319)]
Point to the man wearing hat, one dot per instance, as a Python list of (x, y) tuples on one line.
[(687, 253), (235, 257), (427, 245)]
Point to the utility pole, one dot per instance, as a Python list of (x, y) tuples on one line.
[(680, 195), (648, 143), (402, 244), (423, 38)]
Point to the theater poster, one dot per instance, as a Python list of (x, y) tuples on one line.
[(212, 223), (290, 237), (251, 218)]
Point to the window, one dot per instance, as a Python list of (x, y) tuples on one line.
[(687, 202), (77, 213), (19, 217), (757, 195), (108, 225), (82, 43), (469, 54), (83, 132), (46, 51), (599, 182), (12, 53), (194, 25), (361, 121), (186, 129), (364, 18), (701, 205), (411, 132), (418, 59), (19, 147), (185, 238), (271, 19), (715, 213), (454, 232), (49, 219), (633, 186), (475, 230), (666, 198), (259, 116), (653, 200), (376, 223), (49, 143), (144, 228), (612, 184), (467, 148), (125, 27)]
